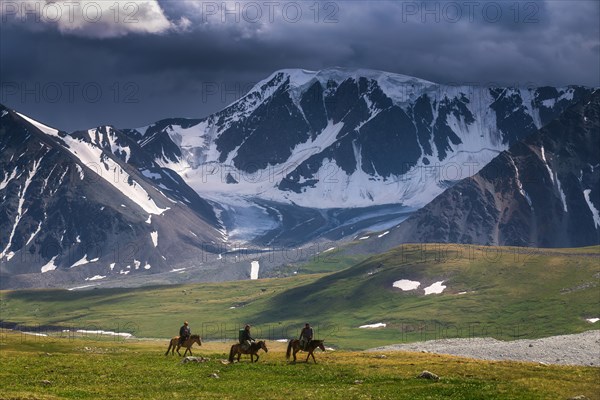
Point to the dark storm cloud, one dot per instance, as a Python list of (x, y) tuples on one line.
[(200, 64)]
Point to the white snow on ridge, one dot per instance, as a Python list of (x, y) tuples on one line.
[(80, 170), (44, 128), (154, 237), (519, 184), (406, 284), (20, 211), (435, 288), (592, 320), (8, 178), (112, 173), (50, 266), (595, 213), (94, 158), (383, 234), (95, 278), (150, 174), (189, 138), (82, 261), (546, 164), (254, 267), (372, 326), (38, 229), (563, 198)]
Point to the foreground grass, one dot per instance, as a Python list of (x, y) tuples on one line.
[(87, 369)]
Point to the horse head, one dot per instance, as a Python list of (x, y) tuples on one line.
[(196, 338), (320, 345), (263, 345)]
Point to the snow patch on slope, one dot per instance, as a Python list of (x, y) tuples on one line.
[(595, 213), (254, 267), (546, 164), (435, 288), (373, 326), (49, 266), (405, 284)]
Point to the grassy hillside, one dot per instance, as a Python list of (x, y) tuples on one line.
[(50, 368), (510, 293)]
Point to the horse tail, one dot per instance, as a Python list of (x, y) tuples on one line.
[(169, 348), (288, 353), (231, 353)]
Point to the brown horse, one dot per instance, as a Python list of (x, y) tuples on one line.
[(252, 350), (310, 348), (175, 346)]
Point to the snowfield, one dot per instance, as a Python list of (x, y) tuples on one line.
[(254, 267), (435, 288), (405, 284), (373, 326)]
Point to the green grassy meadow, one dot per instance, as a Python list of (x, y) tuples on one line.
[(83, 368), (510, 294)]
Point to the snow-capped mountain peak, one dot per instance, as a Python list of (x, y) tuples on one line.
[(356, 137)]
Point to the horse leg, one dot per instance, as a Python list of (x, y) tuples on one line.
[(295, 351), (256, 358), (313, 356)]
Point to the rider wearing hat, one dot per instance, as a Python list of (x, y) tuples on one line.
[(184, 332)]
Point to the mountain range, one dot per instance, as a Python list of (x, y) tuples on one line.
[(303, 157)]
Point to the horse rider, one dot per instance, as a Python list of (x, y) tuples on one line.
[(306, 336), (245, 339), (184, 333)]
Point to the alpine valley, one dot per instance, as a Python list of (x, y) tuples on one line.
[(304, 162)]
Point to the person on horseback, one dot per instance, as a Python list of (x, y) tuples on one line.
[(245, 339), (306, 336), (184, 333)]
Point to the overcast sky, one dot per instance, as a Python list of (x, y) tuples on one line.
[(78, 64)]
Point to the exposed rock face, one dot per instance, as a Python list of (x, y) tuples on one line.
[(77, 205), (544, 191)]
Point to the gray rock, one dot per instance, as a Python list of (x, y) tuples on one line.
[(189, 359), (428, 375)]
